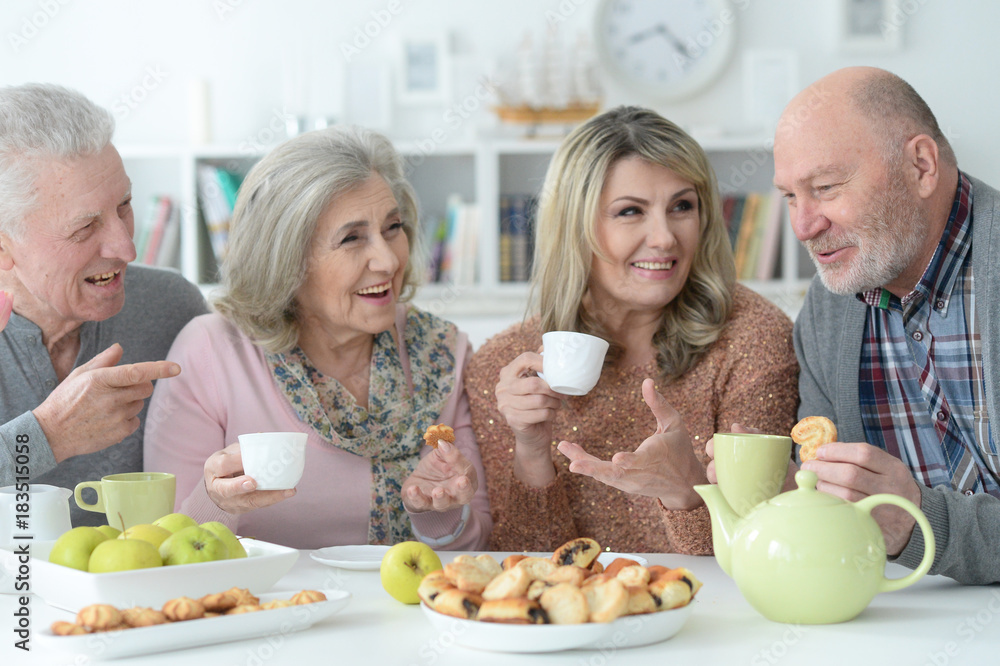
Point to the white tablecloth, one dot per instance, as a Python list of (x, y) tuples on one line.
[(935, 622)]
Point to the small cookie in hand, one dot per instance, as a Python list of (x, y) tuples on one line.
[(436, 433), (811, 433)]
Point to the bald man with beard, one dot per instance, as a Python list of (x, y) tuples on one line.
[(899, 336)]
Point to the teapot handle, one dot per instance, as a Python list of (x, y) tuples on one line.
[(893, 584)]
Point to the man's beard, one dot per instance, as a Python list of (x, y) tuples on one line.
[(888, 239)]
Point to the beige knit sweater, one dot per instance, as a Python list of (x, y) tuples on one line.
[(748, 376)]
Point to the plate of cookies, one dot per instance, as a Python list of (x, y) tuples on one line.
[(104, 631), (571, 599)]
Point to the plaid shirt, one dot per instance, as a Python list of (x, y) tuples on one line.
[(922, 393)]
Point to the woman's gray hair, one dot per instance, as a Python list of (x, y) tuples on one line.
[(42, 121), (276, 212)]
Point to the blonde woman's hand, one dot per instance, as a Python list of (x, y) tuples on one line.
[(233, 491), (528, 405), (444, 480), (6, 305), (663, 466)]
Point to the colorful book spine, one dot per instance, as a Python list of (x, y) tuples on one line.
[(217, 190), (156, 233)]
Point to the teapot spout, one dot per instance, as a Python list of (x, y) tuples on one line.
[(724, 522)]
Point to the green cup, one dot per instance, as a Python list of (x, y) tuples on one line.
[(750, 468), (132, 498)]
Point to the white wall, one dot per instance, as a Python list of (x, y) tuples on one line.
[(138, 58), (107, 48)]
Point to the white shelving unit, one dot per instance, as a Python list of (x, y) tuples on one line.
[(478, 172)]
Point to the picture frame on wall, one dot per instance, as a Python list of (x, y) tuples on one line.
[(368, 95), (770, 80), (424, 65), (870, 26)]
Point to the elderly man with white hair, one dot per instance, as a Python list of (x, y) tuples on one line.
[(78, 358)]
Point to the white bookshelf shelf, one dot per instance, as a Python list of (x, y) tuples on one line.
[(479, 172)]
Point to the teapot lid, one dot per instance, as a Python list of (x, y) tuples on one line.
[(806, 494)]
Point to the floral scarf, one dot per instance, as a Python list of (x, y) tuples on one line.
[(400, 407)]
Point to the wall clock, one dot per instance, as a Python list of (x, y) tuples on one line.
[(666, 49)]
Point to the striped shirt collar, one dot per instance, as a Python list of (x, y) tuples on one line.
[(938, 281)]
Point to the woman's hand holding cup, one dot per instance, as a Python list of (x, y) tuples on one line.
[(444, 480), (528, 405), (233, 491)]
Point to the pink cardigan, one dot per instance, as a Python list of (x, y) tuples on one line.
[(226, 389)]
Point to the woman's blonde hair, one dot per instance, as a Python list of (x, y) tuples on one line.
[(566, 242), (275, 216)]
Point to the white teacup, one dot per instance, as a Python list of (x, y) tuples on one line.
[(572, 362), (275, 460), (36, 509)]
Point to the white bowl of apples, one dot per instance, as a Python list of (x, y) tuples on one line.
[(186, 563)]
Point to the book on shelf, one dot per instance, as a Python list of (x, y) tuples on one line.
[(754, 223), (157, 240), (454, 242), (767, 258), (217, 189), (517, 236)]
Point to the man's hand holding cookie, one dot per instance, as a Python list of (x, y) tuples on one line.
[(855, 470)]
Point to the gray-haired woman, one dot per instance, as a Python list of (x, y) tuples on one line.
[(312, 336)]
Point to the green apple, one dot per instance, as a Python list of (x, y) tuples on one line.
[(404, 566), (74, 547), (110, 532), (122, 555), (175, 522), (191, 545), (154, 534), (236, 549)]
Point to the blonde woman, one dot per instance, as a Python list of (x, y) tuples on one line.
[(631, 247)]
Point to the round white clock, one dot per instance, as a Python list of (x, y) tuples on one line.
[(667, 49)]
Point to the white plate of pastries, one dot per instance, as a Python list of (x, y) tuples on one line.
[(576, 598)]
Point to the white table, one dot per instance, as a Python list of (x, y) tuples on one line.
[(934, 622)]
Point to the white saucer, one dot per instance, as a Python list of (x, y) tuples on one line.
[(359, 558)]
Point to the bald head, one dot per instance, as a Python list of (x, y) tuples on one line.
[(859, 100)]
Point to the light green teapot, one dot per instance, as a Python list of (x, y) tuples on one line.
[(807, 557)]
